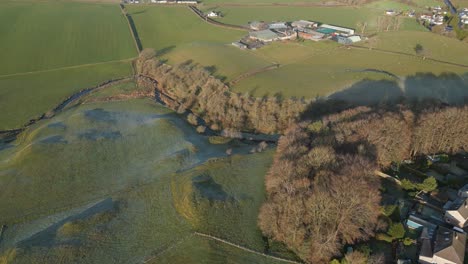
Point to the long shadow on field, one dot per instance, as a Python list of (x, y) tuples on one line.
[(165, 50), (46, 238), (446, 88)]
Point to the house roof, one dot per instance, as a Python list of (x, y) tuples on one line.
[(449, 245), (459, 208)]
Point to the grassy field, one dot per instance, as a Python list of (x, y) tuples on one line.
[(179, 35), (51, 49), (28, 96), (119, 170), (48, 35), (434, 46), (335, 68)]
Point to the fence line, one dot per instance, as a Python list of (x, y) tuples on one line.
[(244, 248), (131, 26)]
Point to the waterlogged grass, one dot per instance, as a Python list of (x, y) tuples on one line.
[(103, 182), (24, 97), (48, 35), (222, 198)]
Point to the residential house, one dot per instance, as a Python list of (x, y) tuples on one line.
[(448, 247), (463, 192), (212, 14), (456, 212)]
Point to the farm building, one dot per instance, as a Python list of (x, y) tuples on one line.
[(342, 30), (239, 44), (264, 35), (258, 25), (302, 24), (347, 40), (212, 14), (278, 26), (390, 12), (311, 35)]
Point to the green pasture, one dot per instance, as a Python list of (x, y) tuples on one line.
[(167, 27), (223, 60), (25, 97), (338, 68), (178, 35), (434, 46), (48, 35)]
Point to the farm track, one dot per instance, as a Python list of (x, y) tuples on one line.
[(253, 72), (66, 68), (200, 14)]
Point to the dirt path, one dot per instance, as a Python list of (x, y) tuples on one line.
[(244, 248), (200, 14), (66, 68)]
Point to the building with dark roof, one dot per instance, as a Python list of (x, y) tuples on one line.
[(448, 247), (456, 212)]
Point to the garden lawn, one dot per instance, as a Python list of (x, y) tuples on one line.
[(48, 35)]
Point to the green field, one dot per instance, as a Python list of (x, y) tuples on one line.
[(28, 96), (335, 68), (178, 35), (51, 49), (125, 179), (434, 46), (47, 35)]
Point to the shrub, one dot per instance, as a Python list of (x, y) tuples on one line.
[(396, 231), (407, 241), (384, 237), (407, 185), (201, 129), (428, 185), (388, 210)]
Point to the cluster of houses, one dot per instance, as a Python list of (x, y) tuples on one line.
[(262, 33), (441, 219), (435, 18), (464, 16)]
